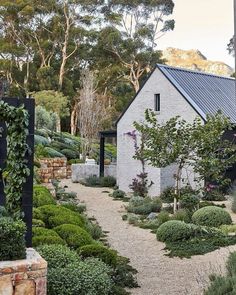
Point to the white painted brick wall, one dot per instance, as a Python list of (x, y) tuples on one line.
[(172, 104)]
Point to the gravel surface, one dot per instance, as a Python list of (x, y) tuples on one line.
[(157, 273)]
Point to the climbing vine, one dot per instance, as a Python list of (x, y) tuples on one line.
[(16, 170)]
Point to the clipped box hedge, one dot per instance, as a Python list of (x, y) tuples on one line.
[(174, 230), (211, 216), (74, 235)]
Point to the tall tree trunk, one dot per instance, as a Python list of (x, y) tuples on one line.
[(74, 119)]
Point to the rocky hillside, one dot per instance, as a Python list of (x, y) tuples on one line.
[(195, 60)]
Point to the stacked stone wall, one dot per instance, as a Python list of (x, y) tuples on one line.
[(24, 277), (54, 168)]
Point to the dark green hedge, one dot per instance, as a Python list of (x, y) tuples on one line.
[(12, 239)]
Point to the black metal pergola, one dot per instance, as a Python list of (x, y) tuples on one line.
[(103, 135)]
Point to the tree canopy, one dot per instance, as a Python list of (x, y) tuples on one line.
[(46, 46)]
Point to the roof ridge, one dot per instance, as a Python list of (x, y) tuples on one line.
[(193, 71)]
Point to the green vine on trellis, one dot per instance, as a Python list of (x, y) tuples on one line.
[(16, 171)]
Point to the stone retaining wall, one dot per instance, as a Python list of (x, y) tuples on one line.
[(54, 168), (24, 277), (82, 171)]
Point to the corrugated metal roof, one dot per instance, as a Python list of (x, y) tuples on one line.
[(206, 93)]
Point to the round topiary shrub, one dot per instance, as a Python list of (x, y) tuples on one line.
[(89, 277), (37, 223), (43, 236), (108, 256), (47, 240), (58, 255), (42, 196), (74, 235), (53, 216), (211, 216), (107, 181), (174, 230), (37, 214), (118, 194)]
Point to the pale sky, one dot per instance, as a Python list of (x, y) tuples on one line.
[(206, 25)]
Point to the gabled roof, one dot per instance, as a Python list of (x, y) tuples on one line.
[(206, 93)]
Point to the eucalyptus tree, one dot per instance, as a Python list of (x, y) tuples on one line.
[(131, 35)]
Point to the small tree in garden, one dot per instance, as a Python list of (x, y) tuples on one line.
[(140, 184), (215, 153), (184, 144)]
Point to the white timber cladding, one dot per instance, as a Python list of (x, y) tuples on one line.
[(172, 104)]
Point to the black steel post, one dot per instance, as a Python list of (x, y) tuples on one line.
[(102, 153), (235, 45)]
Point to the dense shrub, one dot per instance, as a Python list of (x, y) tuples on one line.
[(162, 217), (3, 212), (75, 161), (42, 196), (66, 195), (12, 237), (89, 277), (59, 145), (133, 219), (136, 201), (37, 223), (107, 181), (118, 194), (58, 255), (147, 205), (168, 195), (74, 235), (93, 229), (222, 286), (189, 202), (182, 215), (207, 203), (38, 139), (52, 153), (108, 256), (70, 154), (226, 229), (214, 195), (92, 181), (211, 216), (43, 236), (174, 230), (231, 264), (124, 274), (79, 208), (47, 240), (37, 214), (54, 215)]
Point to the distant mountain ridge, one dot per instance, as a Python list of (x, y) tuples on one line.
[(195, 60)]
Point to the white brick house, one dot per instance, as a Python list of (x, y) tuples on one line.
[(170, 92)]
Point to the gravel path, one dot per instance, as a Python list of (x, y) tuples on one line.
[(157, 273)]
